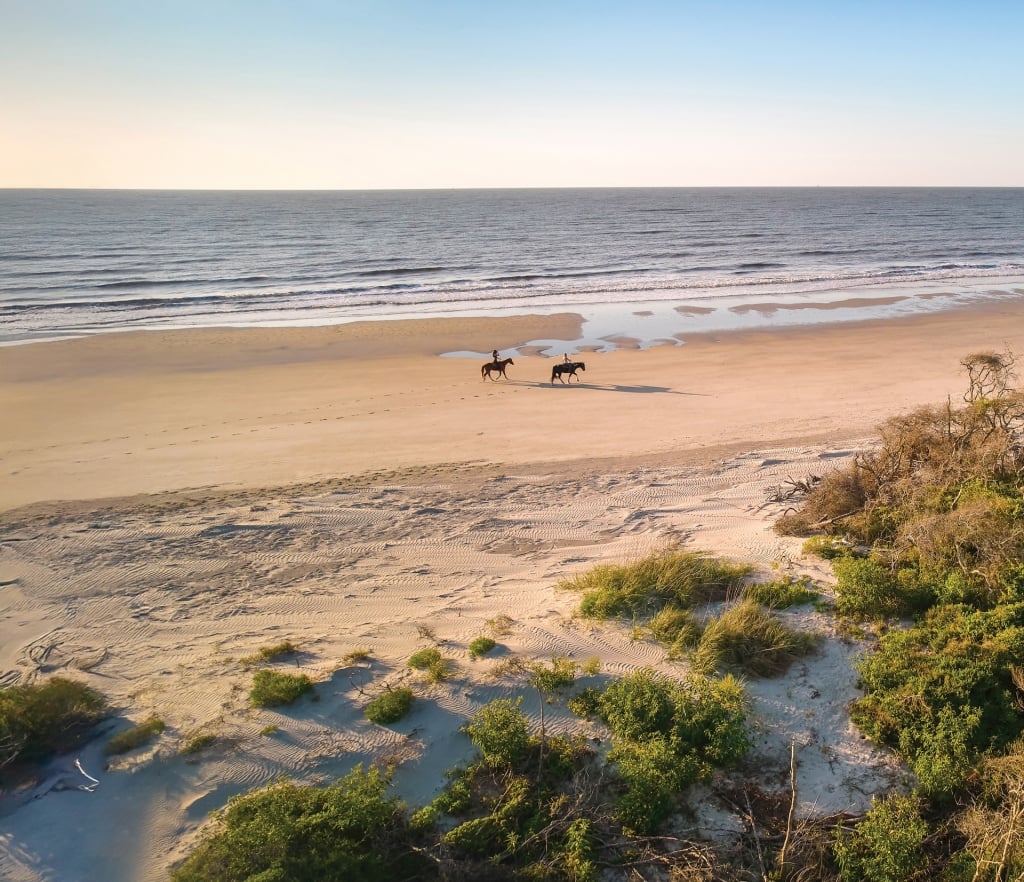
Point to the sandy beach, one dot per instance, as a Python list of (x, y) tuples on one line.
[(173, 501)]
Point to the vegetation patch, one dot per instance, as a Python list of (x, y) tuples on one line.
[(782, 593), (666, 735), (886, 845), (936, 515), (272, 689), (642, 588), (748, 639), (359, 654), (198, 742), (270, 653), (350, 830), (481, 646), (431, 662), (136, 736), (39, 720), (390, 706), (500, 626)]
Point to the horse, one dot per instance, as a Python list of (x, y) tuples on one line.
[(569, 368), (497, 367)]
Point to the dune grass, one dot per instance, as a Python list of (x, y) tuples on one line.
[(272, 689), (748, 639), (136, 736), (643, 587), (430, 661), (782, 593), (270, 653)]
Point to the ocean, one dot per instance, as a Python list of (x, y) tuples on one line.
[(651, 264)]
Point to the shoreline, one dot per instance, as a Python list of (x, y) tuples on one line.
[(146, 412)]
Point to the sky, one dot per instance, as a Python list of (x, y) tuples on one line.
[(371, 94)]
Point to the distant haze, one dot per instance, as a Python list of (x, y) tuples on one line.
[(366, 94)]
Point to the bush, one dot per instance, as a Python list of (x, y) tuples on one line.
[(866, 590), (348, 830), (272, 689), (884, 847), (666, 735), (642, 588), (500, 732), (481, 646), (944, 689), (37, 721), (389, 707), (747, 638), (432, 662), (136, 736)]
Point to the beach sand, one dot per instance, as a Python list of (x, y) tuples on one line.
[(173, 502)]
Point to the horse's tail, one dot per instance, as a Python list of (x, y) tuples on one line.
[(483, 371), (554, 371)]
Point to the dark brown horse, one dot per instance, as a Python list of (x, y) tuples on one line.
[(569, 368), (495, 367)]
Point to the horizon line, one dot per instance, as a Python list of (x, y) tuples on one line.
[(522, 188)]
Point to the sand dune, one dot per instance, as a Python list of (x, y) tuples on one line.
[(275, 489)]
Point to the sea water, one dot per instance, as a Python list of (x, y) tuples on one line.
[(647, 264)]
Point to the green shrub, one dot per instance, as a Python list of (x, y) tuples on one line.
[(422, 659), (884, 847), (499, 730), (272, 689), (390, 706), (39, 720), (580, 853), (654, 774), (748, 639), (349, 830), (866, 590), (432, 662), (481, 646), (666, 734), (642, 588), (270, 653), (480, 837), (942, 692), (136, 736), (782, 593)]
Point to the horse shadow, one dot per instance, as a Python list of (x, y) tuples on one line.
[(619, 387)]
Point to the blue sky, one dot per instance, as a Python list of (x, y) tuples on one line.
[(317, 94)]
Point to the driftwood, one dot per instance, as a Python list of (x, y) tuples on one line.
[(791, 489)]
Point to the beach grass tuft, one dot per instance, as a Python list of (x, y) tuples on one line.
[(136, 736), (748, 639), (782, 593), (272, 689), (645, 586), (270, 653)]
